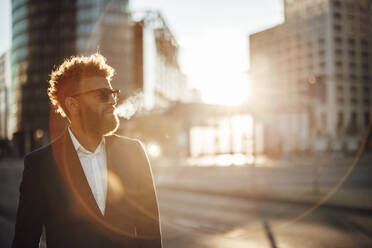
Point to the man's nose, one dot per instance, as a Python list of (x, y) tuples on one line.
[(112, 99)]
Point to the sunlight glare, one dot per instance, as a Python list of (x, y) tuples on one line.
[(154, 150), (217, 66)]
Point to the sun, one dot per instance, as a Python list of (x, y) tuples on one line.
[(230, 89), (216, 65)]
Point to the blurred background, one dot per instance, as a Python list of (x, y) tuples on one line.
[(255, 114)]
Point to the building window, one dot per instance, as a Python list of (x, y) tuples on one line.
[(310, 56), (351, 41), (340, 100), (337, 4), (321, 41), (366, 78), (309, 44), (363, 7), (364, 28), (340, 90), (298, 47), (350, 6), (339, 76), (366, 118), (354, 101), (337, 16), (353, 78), (338, 64), (353, 90), (365, 55), (352, 65), (338, 52), (352, 53), (324, 120), (337, 27), (338, 40), (364, 43), (340, 120), (354, 121)]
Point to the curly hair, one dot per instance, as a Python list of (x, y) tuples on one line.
[(66, 78)]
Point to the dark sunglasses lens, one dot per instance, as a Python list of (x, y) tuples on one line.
[(107, 93)]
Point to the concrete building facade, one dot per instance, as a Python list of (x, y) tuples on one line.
[(4, 95), (163, 81), (318, 64)]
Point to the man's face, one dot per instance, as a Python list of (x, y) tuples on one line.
[(96, 115)]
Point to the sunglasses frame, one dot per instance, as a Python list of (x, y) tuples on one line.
[(106, 95)]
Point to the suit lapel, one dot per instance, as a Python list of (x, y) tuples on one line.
[(120, 203), (73, 173), (110, 164), (115, 186), (120, 173)]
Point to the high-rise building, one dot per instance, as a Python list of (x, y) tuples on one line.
[(43, 34), (159, 72), (303, 9), (318, 64), (4, 95), (107, 27)]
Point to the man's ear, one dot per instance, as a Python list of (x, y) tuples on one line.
[(72, 105)]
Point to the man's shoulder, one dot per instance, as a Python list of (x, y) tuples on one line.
[(134, 146), (39, 154), (124, 140), (42, 153)]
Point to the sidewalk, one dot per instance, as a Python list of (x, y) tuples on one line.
[(311, 182)]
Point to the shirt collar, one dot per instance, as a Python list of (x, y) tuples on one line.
[(79, 148)]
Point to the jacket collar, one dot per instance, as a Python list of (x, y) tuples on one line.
[(80, 148), (121, 185), (72, 172)]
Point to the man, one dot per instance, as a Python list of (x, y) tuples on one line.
[(89, 187)]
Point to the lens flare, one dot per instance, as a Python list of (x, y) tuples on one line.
[(115, 185)]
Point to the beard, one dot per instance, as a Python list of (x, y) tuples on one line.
[(98, 123)]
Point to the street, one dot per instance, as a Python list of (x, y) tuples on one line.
[(201, 220), (195, 219)]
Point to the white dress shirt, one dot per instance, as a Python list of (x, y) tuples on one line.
[(95, 169)]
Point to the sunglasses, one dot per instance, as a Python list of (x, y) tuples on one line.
[(104, 94)]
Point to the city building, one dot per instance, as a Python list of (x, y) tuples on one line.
[(107, 27), (143, 52), (316, 70), (4, 95), (162, 80), (43, 34)]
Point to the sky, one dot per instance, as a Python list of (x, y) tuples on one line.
[(213, 38), (5, 25)]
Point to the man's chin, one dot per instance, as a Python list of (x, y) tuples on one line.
[(112, 127)]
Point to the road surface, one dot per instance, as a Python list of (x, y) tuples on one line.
[(191, 219), (199, 220)]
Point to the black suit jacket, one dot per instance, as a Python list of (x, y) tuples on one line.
[(55, 192)]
